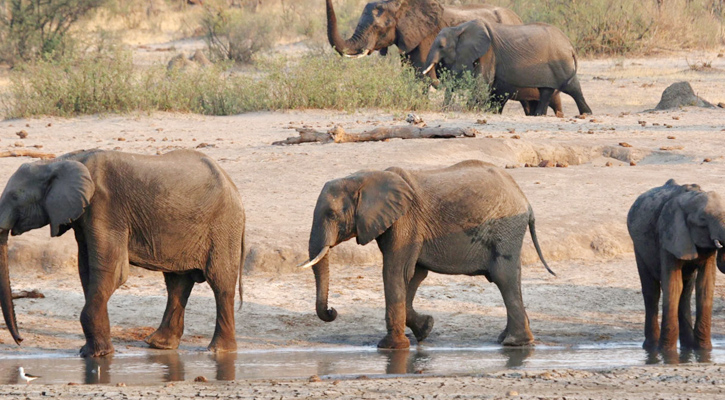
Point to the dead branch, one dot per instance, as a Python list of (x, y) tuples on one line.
[(28, 294), (338, 135), (26, 153)]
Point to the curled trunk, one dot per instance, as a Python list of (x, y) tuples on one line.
[(322, 281), (342, 46), (6, 296)]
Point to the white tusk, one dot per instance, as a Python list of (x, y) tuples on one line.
[(718, 244), (428, 69), (361, 55), (315, 260)]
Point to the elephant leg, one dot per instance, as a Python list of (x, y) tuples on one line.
[(223, 286), (684, 312), (544, 98), (573, 89), (705, 291), (108, 259), (529, 106), (651, 294), (168, 335), (555, 104), (421, 325), (82, 260), (507, 277), (399, 262), (671, 291)]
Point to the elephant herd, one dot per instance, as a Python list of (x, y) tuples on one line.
[(181, 214), (530, 63)]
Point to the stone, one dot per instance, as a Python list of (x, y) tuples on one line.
[(681, 94), (22, 134)]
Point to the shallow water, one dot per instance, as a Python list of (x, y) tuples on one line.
[(153, 366)]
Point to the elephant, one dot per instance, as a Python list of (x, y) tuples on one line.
[(412, 25), (524, 56), (178, 213), (468, 219), (677, 231)]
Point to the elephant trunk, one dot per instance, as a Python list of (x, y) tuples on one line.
[(351, 47), (322, 281), (6, 295), (721, 260)]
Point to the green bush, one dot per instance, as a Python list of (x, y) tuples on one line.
[(109, 83), (30, 29), (237, 34)]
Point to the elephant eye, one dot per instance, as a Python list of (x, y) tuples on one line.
[(331, 214)]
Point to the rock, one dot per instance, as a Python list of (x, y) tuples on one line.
[(515, 137), (721, 104), (632, 163), (707, 159), (608, 164), (201, 378), (22, 134), (625, 144), (315, 378), (19, 144), (669, 148), (121, 384), (680, 94), (414, 119), (484, 121), (511, 166), (562, 164), (512, 393), (200, 58), (546, 163), (671, 137)]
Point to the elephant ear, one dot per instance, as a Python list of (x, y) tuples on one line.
[(69, 193), (473, 42), (384, 197), (417, 19), (674, 233)]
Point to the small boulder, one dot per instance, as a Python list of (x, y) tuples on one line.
[(680, 94)]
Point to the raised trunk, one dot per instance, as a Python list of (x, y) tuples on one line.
[(342, 46), (322, 281), (6, 295)]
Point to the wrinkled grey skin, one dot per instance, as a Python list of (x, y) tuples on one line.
[(674, 229), (178, 213), (467, 219), (411, 25), (525, 56)]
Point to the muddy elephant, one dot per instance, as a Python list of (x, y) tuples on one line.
[(677, 231), (524, 56), (467, 219), (178, 213)]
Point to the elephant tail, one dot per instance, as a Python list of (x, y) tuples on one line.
[(536, 241), (241, 271)]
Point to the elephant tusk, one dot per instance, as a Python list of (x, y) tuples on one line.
[(310, 263), (361, 55), (428, 69), (718, 244)]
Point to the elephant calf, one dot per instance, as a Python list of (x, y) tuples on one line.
[(467, 219), (523, 56), (178, 213), (677, 231)]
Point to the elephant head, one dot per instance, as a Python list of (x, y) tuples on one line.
[(362, 205), (458, 47), (692, 222), (38, 194), (383, 23)]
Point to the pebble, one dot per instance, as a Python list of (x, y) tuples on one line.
[(22, 134)]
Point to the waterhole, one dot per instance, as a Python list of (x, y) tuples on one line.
[(154, 367)]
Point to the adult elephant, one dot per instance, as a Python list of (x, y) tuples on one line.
[(677, 231), (178, 213), (524, 56), (467, 219)]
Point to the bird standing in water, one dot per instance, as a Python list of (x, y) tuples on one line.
[(26, 377)]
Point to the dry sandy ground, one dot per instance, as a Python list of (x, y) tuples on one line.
[(580, 211)]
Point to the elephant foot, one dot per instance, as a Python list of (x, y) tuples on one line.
[(508, 339), (649, 345), (163, 339), (391, 342), (703, 345), (421, 327), (96, 349), (219, 345)]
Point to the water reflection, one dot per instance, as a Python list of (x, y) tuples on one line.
[(98, 370), (684, 356)]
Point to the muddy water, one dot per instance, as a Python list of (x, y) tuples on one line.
[(153, 367)]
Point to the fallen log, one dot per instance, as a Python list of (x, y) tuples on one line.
[(26, 153), (338, 134)]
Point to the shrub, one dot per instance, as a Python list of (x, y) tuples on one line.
[(108, 83), (237, 34), (32, 28)]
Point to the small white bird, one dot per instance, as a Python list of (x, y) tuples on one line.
[(26, 377)]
